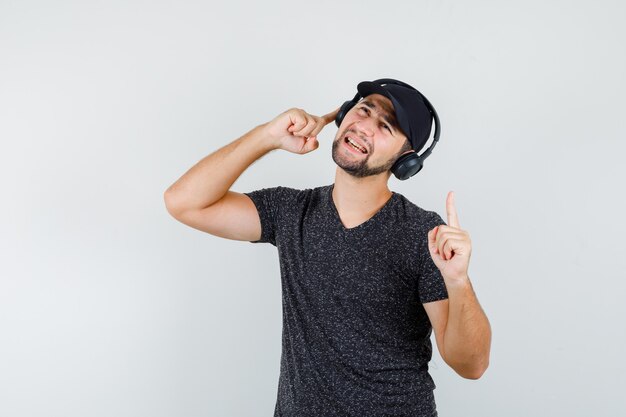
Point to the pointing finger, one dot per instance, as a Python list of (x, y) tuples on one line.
[(330, 116), (453, 218)]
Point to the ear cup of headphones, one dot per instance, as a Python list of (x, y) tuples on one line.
[(343, 110), (407, 165)]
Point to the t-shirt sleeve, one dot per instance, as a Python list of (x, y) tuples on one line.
[(431, 285), (271, 204)]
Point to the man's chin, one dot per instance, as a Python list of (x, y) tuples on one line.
[(361, 170), (357, 171), (348, 166), (356, 167)]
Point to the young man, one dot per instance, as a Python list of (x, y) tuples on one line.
[(366, 274)]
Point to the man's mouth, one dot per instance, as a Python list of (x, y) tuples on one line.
[(353, 144)]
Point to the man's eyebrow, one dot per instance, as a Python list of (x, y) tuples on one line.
[(387, 113)]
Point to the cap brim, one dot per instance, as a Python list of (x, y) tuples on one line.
[(366, 88)]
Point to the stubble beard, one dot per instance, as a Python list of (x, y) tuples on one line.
[(357, 167)]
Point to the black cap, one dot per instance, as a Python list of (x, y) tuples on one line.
[(411, 111)]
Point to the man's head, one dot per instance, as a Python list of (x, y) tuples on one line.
[(403, 113), (373, 125)]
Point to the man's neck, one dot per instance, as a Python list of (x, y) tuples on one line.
[(359, 199)]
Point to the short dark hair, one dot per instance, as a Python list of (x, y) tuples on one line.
[(405, 147)]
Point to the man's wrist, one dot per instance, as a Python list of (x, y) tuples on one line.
[(263, 139), (458, 283)]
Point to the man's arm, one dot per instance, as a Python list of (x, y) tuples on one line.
[(461, 327), (201, 197), (208, 181), (462, 330)]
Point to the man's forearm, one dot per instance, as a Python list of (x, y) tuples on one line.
[(208, 180), (467, 339)]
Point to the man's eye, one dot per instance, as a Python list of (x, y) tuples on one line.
[(366, 110)]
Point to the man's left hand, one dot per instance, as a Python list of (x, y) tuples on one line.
[(450, 247)]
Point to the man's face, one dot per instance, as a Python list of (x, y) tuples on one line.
[(372, 124)]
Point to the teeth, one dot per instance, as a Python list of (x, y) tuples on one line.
[(356, 145)]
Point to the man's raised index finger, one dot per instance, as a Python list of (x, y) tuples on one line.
[(453, 218)]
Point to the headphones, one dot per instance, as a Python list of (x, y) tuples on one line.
[(410, 163)]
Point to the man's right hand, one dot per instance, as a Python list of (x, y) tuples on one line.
[(296, 130)]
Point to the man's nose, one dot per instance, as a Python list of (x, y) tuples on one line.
[(365, 127)]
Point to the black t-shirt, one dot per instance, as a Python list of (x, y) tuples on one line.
[(356, 338)]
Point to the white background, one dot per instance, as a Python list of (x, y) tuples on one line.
[(110, 307)]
